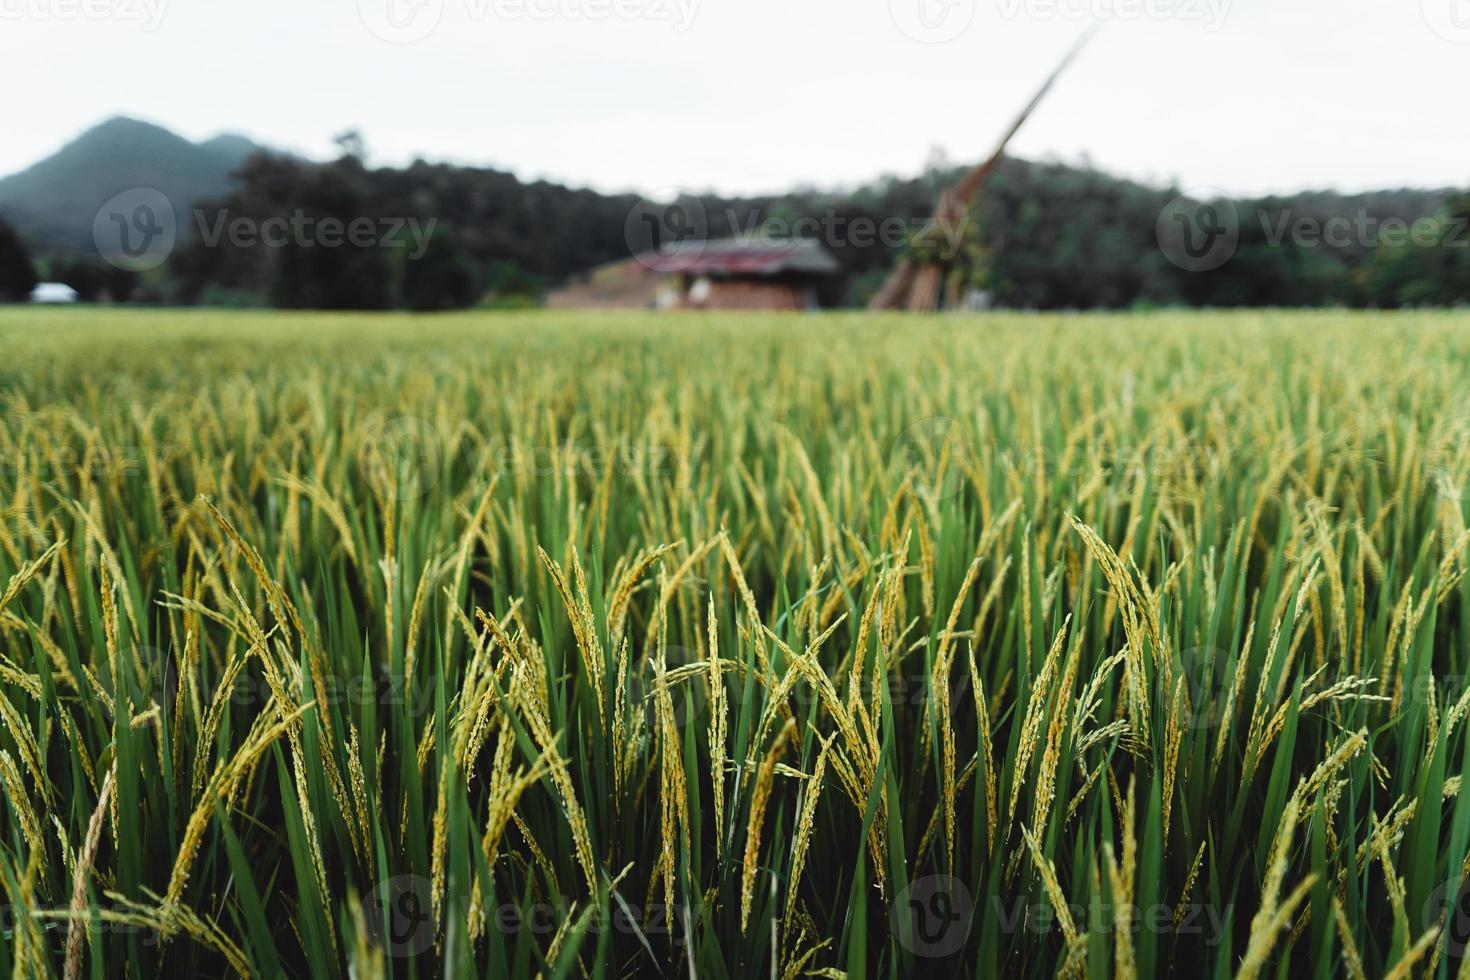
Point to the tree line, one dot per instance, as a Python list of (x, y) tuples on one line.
[(1045, 236)]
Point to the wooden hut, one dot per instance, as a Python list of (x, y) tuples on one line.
[(746, 273)]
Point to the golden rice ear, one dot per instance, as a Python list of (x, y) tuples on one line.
[(1212, 640), (760, 798)]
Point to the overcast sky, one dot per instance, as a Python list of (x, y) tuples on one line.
[(1246, 96)]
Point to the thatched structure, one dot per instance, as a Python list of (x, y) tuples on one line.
[(916, 281)]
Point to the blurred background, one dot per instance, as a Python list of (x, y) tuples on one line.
[(444, 154)]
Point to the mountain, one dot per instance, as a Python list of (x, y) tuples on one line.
[(53, 203)]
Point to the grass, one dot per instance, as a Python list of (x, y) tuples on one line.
[(733, 646)]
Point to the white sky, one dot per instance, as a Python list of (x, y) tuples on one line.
[(761, 95)]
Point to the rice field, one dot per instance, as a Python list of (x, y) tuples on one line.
[(726, 646)]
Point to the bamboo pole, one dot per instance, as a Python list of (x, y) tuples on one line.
[(917, 289)]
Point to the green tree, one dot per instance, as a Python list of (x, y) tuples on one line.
[(1457, 248), (17, 273), (93, 279), (1419, 270), (442, 278)]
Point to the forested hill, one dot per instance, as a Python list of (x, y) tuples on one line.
[(53, 203), (1045, 235)]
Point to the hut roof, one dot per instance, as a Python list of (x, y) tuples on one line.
[(743, 256)]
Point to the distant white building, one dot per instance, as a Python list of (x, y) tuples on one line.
[(53, 292)]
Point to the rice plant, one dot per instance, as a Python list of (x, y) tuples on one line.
[(626, 645)]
